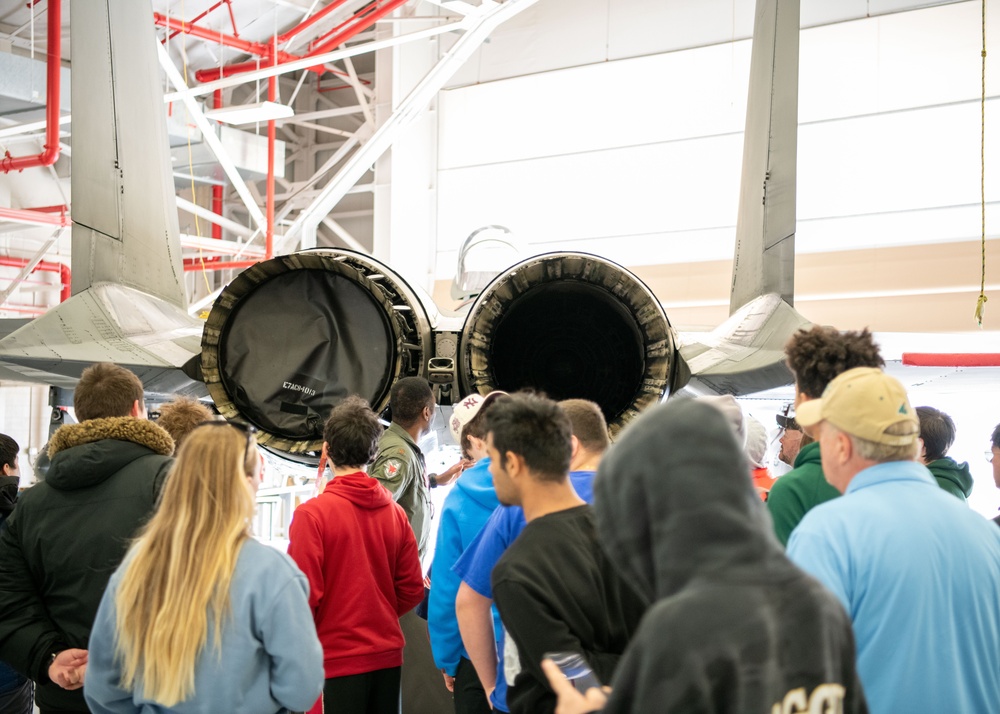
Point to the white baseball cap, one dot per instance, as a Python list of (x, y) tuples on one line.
[(466, 410)]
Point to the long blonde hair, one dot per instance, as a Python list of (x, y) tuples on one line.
[(180, 568)]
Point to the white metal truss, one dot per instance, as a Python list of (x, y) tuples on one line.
[(307, 62), (212, 139), (30, 265), (491, 15)]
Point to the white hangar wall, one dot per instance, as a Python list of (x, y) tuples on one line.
[(638, 159)]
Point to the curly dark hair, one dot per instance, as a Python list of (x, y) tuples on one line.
[(818, 355)]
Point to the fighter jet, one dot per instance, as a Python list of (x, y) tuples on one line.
[(291, 336)]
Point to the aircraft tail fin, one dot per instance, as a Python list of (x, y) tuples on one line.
[(125, 227), (764, 259)]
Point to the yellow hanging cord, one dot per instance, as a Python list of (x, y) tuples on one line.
[(981, 303), (194, 195)]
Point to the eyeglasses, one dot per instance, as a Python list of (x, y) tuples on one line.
[(990, 456)]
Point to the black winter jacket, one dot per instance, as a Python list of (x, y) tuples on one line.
[(735, 627), (67, 536)]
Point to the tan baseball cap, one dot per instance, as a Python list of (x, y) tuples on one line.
[(864, 402)]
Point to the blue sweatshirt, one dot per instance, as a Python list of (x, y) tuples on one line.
[(270, 655), (466, 509)]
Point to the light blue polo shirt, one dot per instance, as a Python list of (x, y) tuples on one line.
[(919, 574)]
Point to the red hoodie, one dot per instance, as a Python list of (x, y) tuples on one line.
[(357, 549)]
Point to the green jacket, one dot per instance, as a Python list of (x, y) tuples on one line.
[(799, 491), (67, 536), (952, 476), (400, 467)]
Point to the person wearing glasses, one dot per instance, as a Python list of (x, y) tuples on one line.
[(200, 617), (70, 531)]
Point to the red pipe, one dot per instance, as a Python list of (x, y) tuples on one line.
[(65, 275), (261, 49), (234, 265), (360, 24), (61, 208), (975, 359), (269, 236), (200, 16), (41, 217), (188, 28), (309, 22), (50, 152), (27, 309), (232, 17), (363, 24), (217, 190)]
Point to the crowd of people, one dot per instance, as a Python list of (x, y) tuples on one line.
[(666, 572)]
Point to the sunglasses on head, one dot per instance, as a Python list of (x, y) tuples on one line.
[(247, 429)]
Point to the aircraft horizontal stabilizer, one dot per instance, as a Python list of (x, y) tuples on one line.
[(746, 353), (107, 323)]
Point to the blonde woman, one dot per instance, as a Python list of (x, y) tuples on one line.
[(200, 617)]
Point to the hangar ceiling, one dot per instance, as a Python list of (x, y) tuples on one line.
[(315, 60)]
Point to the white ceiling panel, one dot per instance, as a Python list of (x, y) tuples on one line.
[(556, 34), (641, 27)]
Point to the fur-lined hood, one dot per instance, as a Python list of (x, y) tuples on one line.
[(86, 454), (139, 431)]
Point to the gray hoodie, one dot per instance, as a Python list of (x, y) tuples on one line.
[(270, 658), (734, 625)]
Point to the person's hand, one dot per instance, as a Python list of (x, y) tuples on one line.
[(449, 681), (454, 472), (571, 701), (69, 668)]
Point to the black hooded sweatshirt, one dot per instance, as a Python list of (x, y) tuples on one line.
[(734, 626)]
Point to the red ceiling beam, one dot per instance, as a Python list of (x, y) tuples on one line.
[(357, 23), (234, 265), (38, 217), (65, 275), (50, 151), (309, 22)]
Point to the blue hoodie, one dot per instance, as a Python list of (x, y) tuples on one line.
[(270, 656), (466, 509)]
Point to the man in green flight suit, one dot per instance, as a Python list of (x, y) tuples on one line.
[(401, 468), (400, 465), (815, 357)]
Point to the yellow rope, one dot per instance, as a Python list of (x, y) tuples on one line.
[(194, 195), (981, 303)]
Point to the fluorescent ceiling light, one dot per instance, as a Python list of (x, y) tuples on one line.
[(251, 113)]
